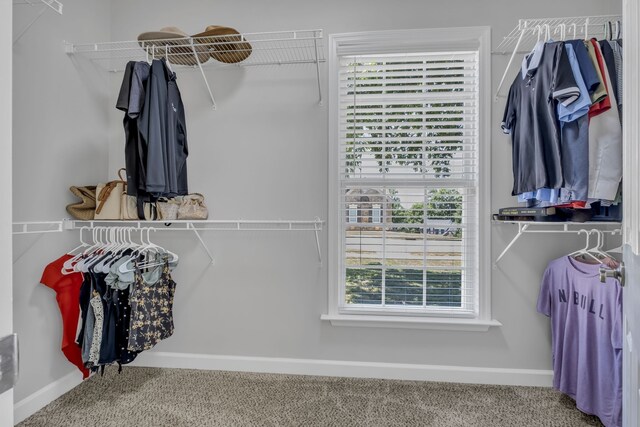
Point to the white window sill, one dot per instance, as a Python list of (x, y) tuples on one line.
[(442, 324)]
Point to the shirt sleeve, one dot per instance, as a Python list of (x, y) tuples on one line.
[(509, 117), (123, 96), (564, 88), (587, 70), (137, 93), (544, 298)]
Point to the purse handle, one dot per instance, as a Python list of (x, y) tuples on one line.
[(104, 195), (108, 188)]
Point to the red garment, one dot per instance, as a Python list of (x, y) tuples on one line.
[(605, 104), (576, 204), (67, 287)]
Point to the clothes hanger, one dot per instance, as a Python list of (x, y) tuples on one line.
[(157, 249), (586, 29), (74, 264), (67, 266), (597, 249), (105, 253), (166, 57), (84, 264), (111, 251), (563, 31), (584, 251), (617, 30), (83, 244), (575, 28), (126, 243), (547, 32), (128, 267), (539, 28)]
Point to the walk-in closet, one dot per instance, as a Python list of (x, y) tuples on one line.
[(340, 213)]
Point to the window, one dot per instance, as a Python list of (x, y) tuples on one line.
[(353, 214), (376, 214), (407, 133)]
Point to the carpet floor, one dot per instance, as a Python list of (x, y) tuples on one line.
[(176, 397)]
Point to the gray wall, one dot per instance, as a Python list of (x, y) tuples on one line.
[(60, 124), (263, 155)]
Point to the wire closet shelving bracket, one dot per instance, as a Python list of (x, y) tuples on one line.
[(540, 227), (528, 31), (54, 5), (315, 225), (266, 49)]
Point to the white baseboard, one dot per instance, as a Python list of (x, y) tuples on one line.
[(331, 368), (41, 398), (338, 368)]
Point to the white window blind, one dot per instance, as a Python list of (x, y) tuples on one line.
[(408, 164)]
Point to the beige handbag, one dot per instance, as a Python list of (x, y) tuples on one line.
[(168, 208), (193, 207), (109, 199), (86, 208)]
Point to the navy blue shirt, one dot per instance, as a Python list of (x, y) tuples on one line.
[(546, 78), (588, 71)]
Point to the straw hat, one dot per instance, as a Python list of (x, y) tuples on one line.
[(176, 43), (224, 44)]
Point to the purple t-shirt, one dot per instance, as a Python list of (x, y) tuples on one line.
[(586, 336)]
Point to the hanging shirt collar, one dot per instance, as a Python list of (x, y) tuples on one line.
[(531, 61)]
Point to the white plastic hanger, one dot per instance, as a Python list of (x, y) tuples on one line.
[(149, 247), (584, 251), (166, 57), (111, 251), (547, 32), (95, 252), (71, 265), (586, 29), (597, 249)]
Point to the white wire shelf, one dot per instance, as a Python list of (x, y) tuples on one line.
[(48, 4), (53, 4), (271, 48), (39, 227), (241, 50), (543, 227), (584, 26)]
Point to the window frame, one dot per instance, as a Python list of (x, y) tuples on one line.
[(404, 41)]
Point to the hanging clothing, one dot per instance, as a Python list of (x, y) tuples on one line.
[(608, 58), (566, 158), (600, 99), (574, 128), (163, 129), (586, 336), (546, 79), (617, 58), (67, 288), (152, 308), (605, 143), (587, 69), (131, 100), (123, 312)]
